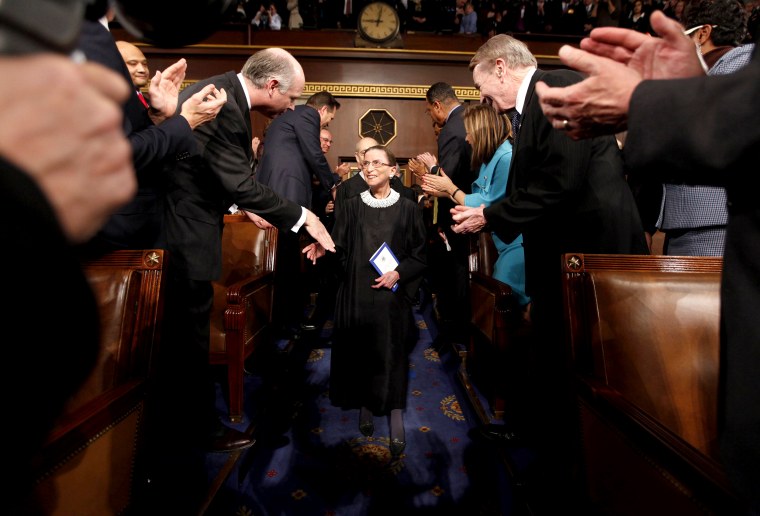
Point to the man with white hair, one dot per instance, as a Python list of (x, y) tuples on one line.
[(563, 196), (200, 188)]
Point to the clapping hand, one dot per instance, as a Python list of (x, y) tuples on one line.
[(438, 186), (468, 220), (615, 61), (428, 160), (204, 105), (417, 167), (164, 91)]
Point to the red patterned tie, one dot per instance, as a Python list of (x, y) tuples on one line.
[(142, 99)]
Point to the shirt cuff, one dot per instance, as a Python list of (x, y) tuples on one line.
[(301, 221)]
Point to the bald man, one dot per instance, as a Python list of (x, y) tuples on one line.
[(136, 62), (156, 136)]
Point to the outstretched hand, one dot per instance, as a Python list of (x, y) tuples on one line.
[(615, 60), (318, 231), (313, 252)]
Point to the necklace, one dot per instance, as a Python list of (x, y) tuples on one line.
[(380, 203)]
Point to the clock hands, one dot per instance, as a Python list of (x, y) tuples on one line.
[(379, 16)]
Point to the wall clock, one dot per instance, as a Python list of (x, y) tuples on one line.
[(377, 124), (378, 25)]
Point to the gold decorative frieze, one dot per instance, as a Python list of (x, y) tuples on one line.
[(394, 91), (401, 91)]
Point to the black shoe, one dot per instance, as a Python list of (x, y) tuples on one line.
[(367, 428), (498, 433), (307, 327), (397, 447), (228, 439)]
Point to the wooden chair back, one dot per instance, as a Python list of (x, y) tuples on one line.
[(242, 313), (93, 458), (644, 336)]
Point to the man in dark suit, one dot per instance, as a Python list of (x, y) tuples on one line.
[(450, 272), (294, 155), (295, 151), (201, 187), (155, 135), (563, 196), (667, 141)]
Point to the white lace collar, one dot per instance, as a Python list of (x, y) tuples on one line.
[(370, 201)]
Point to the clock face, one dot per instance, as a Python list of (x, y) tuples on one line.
[(378, 22)]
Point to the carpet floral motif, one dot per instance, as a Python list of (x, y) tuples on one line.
[(450, 407)]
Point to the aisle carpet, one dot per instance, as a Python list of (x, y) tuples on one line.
[(311, 459)]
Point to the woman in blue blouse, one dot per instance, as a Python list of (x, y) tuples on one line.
[(488, 132)]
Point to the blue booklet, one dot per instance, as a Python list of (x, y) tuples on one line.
[(383, 260)]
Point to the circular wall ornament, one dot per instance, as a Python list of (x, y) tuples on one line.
[(378, 124)]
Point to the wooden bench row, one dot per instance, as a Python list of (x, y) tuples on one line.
[(643, 332), (93, 461)]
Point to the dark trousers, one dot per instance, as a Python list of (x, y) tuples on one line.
[(290, 282), (184, 414), (449, 274)]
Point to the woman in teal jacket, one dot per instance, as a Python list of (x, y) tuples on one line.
[(488, 132)]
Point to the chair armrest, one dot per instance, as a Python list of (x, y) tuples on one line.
[(505, 302), (237, 292)]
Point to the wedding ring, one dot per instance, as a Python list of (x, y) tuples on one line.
[(565, 124)]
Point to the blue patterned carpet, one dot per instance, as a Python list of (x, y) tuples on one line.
[(311, 459)]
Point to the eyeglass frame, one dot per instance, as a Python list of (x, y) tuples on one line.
[(689, 32), (326, 140), (375, 163)]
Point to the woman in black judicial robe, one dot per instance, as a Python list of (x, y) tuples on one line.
[(374, 325)]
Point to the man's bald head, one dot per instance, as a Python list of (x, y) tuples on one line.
[(364, 144), (361, 146), (277, 79), (137, 64)]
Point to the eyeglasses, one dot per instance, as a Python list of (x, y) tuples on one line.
[(690, 31), (375, 163), (326, 140)]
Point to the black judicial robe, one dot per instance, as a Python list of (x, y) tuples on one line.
[(374, 328)]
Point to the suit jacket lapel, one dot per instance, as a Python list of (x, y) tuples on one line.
[(524, 116), (240, 100)]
